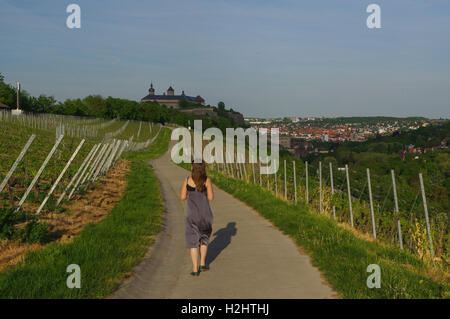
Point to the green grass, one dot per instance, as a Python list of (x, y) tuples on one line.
[(106, 251), (340, 255)]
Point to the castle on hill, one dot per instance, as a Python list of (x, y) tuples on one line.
[(170, 99)]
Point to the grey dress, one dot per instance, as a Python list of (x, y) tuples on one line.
[(199, 218)]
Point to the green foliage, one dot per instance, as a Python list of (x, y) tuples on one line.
[(7, 221), (7, 93), (428, 136), (183, 103), (221, 109), (33, 232)]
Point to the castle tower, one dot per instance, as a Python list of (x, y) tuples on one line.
[(151, 90), (170, 91)]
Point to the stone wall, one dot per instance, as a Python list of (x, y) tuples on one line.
[(201, 111)]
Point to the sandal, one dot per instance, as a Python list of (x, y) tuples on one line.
[(204, 268), (195, 273)]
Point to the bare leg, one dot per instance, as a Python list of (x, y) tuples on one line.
[(194, 258), (203, 251)]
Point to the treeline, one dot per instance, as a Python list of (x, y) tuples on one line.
[(425, 137), (110, 107)]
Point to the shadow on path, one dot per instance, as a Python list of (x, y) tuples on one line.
[(220, 242)]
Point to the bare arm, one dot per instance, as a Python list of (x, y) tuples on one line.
[(209, 190), (183, 192)]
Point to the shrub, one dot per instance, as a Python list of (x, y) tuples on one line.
[(33, 232)]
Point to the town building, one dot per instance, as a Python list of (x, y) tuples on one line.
[(170, 99), (285, 141)]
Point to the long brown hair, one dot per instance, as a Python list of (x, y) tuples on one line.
[(199, 175)]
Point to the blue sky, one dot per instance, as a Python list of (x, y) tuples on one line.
[(263, 58)]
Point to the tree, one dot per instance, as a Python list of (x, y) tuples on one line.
[(96, 105), (43, 104), (183, 103), (7, 94), (221, 109)]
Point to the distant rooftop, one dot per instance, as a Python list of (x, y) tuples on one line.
[(3, 106)]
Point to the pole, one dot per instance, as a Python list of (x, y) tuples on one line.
[(332, 189), (226, 169), (253, 173), (60, 177), (18, 96), (320, 187), (400, 239), (371, 204), (260, 179), (16, 163), (38, 174), (295, 183), (83, 177), (82, 167), (425, 209), (285, 186), (276, 182), (245, 171), (306, 175), (349, 195)]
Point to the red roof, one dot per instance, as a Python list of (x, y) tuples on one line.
[(3, 106)]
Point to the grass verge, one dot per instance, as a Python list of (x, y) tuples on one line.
[(340, 255), (105, 252)]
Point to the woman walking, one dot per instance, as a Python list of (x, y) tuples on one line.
[(198, 191)]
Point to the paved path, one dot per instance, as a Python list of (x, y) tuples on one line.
[(248, 256)]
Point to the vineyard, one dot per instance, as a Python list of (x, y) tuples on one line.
[(48, 162), (375, 205)]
